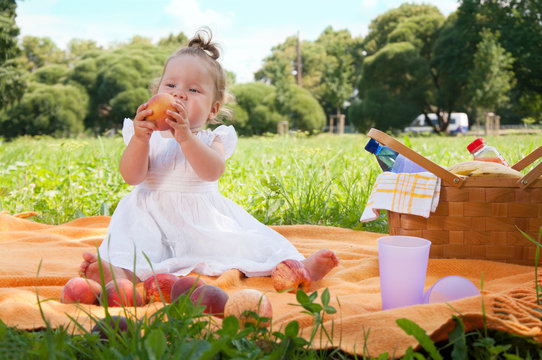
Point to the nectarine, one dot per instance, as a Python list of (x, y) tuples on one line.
[(120, 292), (183, 286), (159, 104), (81, 290), (289, 275), (212, 297), (159, 283), (245, 301)]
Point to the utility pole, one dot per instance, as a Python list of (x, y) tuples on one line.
[(299, 66)]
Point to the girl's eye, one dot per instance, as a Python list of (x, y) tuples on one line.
[(193, 90), (170, 85)]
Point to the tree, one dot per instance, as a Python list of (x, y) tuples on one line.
[(12, 79), (51, 74), (381, 29), (41, 51), (78, 48), (46, 109), (491, 77), (255, 112), (397, 82), (112, 76), (337, 77), (518, 22), (393, 88)]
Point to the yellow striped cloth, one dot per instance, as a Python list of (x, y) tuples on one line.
[(407, 193)]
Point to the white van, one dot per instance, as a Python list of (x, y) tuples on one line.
[(458, 124)]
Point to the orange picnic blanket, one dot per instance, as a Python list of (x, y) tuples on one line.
[(37, 260)]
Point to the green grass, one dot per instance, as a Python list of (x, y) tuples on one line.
[(321, 180)]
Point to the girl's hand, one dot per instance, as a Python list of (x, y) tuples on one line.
[(178, 120), (143, 129)]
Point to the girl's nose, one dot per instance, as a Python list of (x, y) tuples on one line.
[(181, 94)]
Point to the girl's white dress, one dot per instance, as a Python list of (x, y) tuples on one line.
[(174, 222)]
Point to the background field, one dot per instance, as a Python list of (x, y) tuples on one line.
[(297, 179)]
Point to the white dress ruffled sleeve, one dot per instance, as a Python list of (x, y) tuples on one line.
[(228, 137), (127, 130)]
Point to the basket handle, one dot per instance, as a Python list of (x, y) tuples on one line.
[(427, 164), (532, 175)]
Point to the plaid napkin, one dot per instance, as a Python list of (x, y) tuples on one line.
[(408, 193)]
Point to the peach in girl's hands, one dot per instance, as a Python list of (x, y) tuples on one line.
[(159, 104), (159, 283), (80, 290)]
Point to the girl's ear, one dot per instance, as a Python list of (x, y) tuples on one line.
[(214, 110)]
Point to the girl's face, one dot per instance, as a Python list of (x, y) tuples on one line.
[(188, 78)]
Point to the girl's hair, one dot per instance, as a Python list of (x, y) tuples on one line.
[(201, 46)]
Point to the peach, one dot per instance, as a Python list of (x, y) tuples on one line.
[(159, 104), (159, 283), (212, 297), (289, 275), (117, 323), (81, 290), (242, 302), (183, 286), (120, 292)]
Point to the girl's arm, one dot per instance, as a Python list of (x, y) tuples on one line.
[(208, 162), (134, 163)]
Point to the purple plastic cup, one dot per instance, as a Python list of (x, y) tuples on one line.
[(450, 288), (402, 261)]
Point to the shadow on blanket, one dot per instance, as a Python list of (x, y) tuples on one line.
[(509, 295)]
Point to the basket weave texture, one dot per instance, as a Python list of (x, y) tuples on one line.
[(478, 223), (476, 218)]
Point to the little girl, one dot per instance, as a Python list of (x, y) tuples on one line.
[(175, 220)]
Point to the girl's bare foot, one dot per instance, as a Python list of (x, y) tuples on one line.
[(90, 269), (320, 263)]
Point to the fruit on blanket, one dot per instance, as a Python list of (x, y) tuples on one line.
[(159, 283), (183, 286), (109, 325), (159, 104), (81, 290), (212, 297), (120, 292), (289, 274), (483, 168), (243, 303)]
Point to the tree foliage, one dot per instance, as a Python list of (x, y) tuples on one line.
[(46, 109), (413, 60), (12, 77), (491, 77), (257, 109), (397, 81)]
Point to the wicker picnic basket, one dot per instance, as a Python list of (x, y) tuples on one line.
[(477, 217)]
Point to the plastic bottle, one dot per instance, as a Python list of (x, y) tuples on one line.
[(483, 152), (404, 165), (384, 155)]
